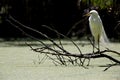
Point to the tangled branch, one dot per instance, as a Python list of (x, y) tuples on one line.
[(57, 50)]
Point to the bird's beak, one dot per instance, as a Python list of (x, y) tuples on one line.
[(88, 14)]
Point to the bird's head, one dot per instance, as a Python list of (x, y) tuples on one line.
[(92, 12)]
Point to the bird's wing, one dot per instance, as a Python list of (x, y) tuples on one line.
[(104, 38)]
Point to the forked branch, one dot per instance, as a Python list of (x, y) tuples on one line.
[(63, 56)]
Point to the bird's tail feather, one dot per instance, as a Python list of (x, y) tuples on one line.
[(104, 39)]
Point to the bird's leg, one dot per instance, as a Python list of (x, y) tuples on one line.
[(93, 45), (98, 43)]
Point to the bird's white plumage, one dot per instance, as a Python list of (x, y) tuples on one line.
[(97, 28)]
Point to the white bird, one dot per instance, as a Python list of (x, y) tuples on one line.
[(97, 29)]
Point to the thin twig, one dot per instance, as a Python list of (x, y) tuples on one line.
[(44, 35), (63, 56), (109, 66), (63, 36)]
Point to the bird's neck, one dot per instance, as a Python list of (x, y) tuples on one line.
[(94, 16)]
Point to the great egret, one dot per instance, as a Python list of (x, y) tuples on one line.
[(97, 29)]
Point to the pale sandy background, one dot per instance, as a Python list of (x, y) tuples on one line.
[(20, 63)]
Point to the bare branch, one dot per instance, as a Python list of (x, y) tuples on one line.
[(63, 56)]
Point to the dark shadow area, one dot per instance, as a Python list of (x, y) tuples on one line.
[(61, 15)]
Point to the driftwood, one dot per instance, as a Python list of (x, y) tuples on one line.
[(57, 50)]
